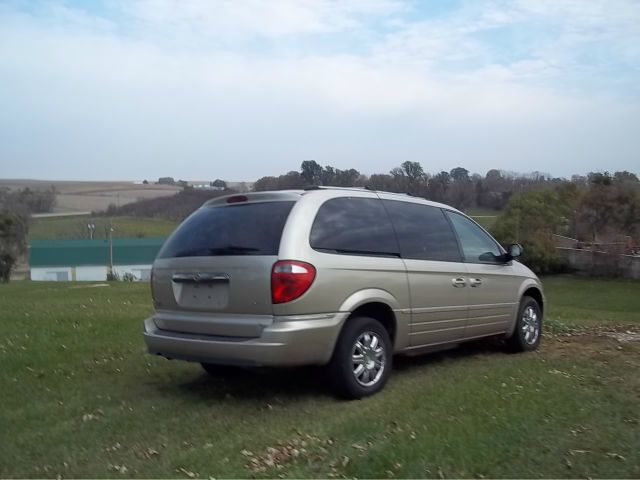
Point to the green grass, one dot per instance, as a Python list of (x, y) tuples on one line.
[(81, 398), (585, 301), (76, 227)]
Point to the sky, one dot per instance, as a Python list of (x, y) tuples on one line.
[(240, 89)]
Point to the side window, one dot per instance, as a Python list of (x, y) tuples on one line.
[(351, 225), (477, 246), (423, 232)]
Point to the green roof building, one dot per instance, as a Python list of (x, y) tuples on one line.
[(89, 259)]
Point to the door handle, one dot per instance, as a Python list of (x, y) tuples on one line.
[(459, 282), (475, 282)]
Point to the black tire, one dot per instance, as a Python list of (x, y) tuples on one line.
[(216, 370), (341, 369), (528, 330)]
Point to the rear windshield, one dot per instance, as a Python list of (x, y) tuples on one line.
[(244, 229)]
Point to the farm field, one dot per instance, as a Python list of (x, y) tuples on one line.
[(76, 227), (78, 196), (81, 398)]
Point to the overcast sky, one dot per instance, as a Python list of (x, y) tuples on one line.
[(239, 89)]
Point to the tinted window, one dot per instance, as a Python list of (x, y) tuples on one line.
[(477, 246), (243, 229), (353, 226), (423, 232)]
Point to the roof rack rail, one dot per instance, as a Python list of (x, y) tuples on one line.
[(328, 187), (359, 189)]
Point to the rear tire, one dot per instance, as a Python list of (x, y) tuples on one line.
[(528, 331), (362, 358)]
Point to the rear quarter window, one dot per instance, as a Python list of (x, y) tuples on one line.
[(239, 229), (353, 226)]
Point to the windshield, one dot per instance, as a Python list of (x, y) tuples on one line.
[(242, 229)]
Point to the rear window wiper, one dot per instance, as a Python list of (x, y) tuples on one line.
[(204, 251)]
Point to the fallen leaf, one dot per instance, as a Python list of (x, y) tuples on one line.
[(187, 472), (617, 456)]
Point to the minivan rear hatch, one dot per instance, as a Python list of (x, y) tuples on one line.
[(213, 275)]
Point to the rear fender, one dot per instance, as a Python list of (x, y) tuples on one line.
[(377, 295)]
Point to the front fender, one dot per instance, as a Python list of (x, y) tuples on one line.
[(526, 285)]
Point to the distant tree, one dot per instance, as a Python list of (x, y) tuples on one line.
[(291, 181), (328, 176), (494, 190), (13, 241), (346, 178), (174, 207), (311, 172), (380, 181), (111, 210), (625, 177), (145, 182), (438, 186), (459, 174), (610, 203), (265, 184), (413, 171), (461, 192), (598, 178), (531, 219), (218, 183), (31, 201), (166, 181), (579, 180)]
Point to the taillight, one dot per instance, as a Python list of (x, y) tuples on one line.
[(290, 279)]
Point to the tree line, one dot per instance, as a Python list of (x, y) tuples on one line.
[(532, 207), (601, 209), (458, 187)]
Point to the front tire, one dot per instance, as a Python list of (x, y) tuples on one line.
[(362, 358), (528, 332)]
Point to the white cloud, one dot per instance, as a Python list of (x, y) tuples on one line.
[(231, 20), (77, 89)]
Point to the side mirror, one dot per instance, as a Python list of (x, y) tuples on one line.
[(514, 251)]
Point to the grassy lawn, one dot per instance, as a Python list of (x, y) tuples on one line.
[(81, 398), (584, 301), (76, 227)]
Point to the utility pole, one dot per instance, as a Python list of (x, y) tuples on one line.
[(110, 232)]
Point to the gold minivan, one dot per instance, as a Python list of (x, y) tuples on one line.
[(345, 278)]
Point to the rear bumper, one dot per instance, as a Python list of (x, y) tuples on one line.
[(288, 341)]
